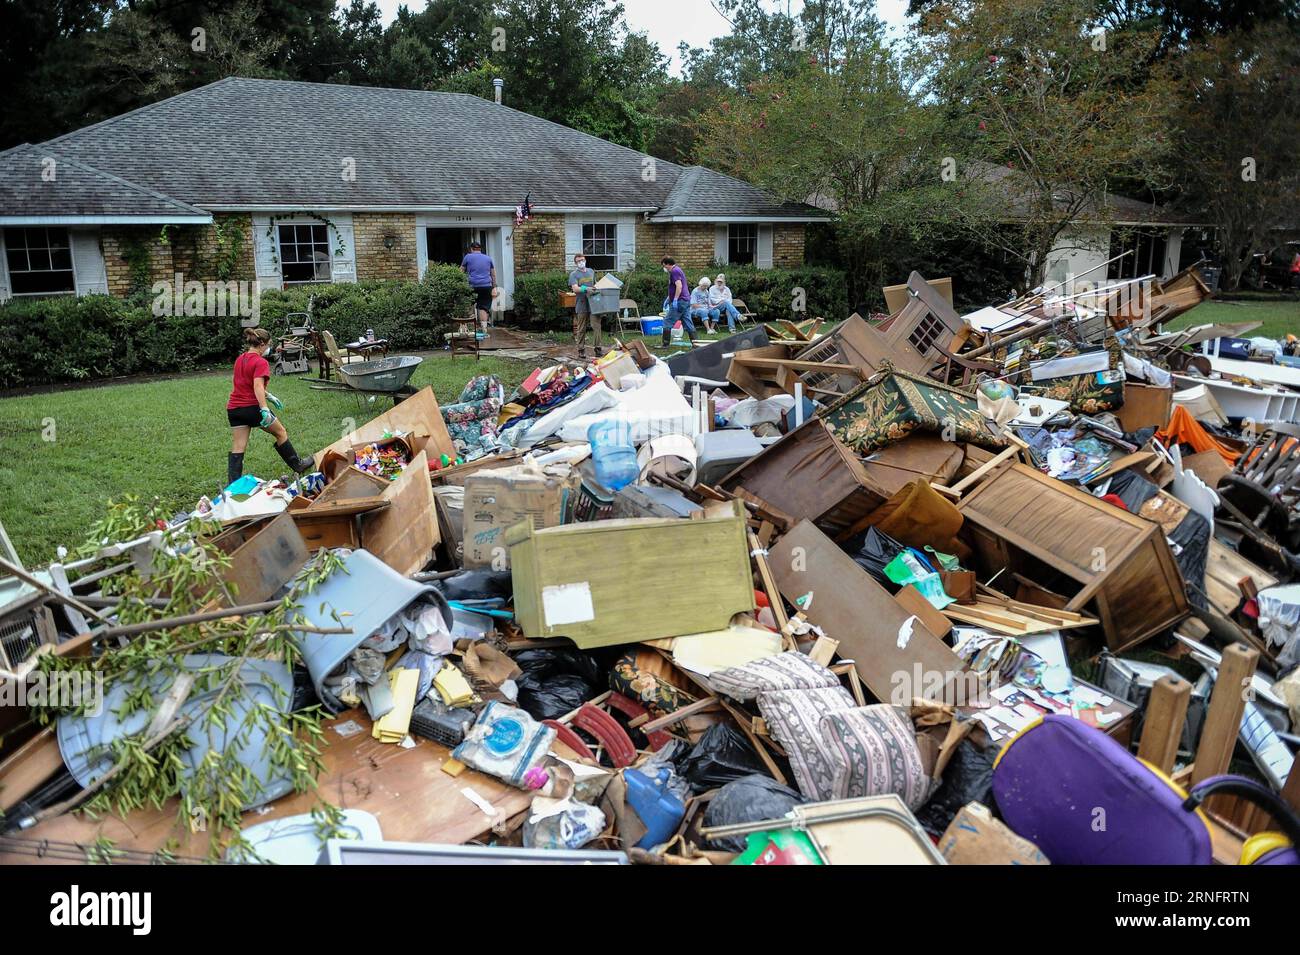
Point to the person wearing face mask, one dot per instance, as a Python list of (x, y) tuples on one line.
[(247, 408), (679, 302), (580, 280)]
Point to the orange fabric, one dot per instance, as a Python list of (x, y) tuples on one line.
[(1184, 429)]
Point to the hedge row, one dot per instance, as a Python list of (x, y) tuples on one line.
[(65, 338), (772, 294), (411, 315)]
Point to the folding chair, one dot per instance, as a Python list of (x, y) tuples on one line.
[(629, 311), (746, 316)]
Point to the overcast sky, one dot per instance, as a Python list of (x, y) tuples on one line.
[(669, 22)]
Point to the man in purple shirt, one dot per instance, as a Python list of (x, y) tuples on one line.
[(679, 302), (482, 279)]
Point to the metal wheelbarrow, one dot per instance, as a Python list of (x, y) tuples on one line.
[(382, 375)]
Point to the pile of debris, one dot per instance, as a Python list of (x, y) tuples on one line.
[(920, 590)]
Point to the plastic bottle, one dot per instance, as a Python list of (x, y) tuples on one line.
[(612, 454)]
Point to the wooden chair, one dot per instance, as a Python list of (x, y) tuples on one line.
[(746, 316), (629, 311), (331, 354), (465, 337)]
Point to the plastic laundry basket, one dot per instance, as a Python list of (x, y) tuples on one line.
[(85, 741), (364, 595)]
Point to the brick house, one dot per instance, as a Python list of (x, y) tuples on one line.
[(292, 183)]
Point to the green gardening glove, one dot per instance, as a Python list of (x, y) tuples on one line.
[(268, 419), (275, 402)]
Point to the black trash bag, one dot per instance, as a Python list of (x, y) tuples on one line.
[(540, 664), (877, 550), (1132, 488), (968, 777), (552, 697), (477, 585), (748, 799), (721, 756)]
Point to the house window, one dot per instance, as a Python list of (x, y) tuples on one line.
[(304, 253), (600, 245), (742, 244), (40, 262), (1146, 248)]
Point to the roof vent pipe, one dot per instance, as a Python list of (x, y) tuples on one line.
[(496, 89)]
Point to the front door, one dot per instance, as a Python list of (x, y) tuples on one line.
[(448, 246)]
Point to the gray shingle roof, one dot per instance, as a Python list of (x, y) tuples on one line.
[(1017, 192), (39, 181), (700, 191), (243, 143)]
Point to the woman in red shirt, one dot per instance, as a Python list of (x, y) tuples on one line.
[(247, 408)]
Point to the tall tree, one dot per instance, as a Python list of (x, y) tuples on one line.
[(1237, 128), (854, 136), (1058, 116)]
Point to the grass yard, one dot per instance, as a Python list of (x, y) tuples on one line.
[(65, 454), (1281, 317)]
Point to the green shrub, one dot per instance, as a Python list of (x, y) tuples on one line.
[(537, 298), (96, 336), (769, 293), (68, 339), (411, 315)]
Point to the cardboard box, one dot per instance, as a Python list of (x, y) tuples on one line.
[(974, 837), (1145, 406), (501, 498)]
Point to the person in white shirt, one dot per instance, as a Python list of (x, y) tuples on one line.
[(720, 299)]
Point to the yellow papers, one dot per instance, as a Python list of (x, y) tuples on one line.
[(703, 653), (394, 725)]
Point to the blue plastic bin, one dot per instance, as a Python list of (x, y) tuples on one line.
[(652, 326)]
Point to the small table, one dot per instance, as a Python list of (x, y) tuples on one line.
[(366, 347)]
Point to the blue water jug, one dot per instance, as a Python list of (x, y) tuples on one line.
[(658, 809), (612, 454)]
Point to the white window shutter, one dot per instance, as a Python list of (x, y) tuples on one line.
[(626, 241), (4, 270), (763, 257), (572, 239), (88, 262), (343, 249), (266, 253), (721, 248)]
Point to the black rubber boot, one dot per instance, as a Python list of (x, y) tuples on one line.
[(234, 467), (290, 456), (668, 337)]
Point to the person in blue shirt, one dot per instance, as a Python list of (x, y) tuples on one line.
[(702, 309), (482, 279)]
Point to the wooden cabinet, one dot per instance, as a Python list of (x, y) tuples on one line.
[(810, 474), (602, 583), (1121, 564)]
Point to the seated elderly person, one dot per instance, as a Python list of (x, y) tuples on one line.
[(720, 300), (701, 308)]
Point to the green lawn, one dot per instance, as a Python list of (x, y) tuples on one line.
[(1280, 317), (64, 454)]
